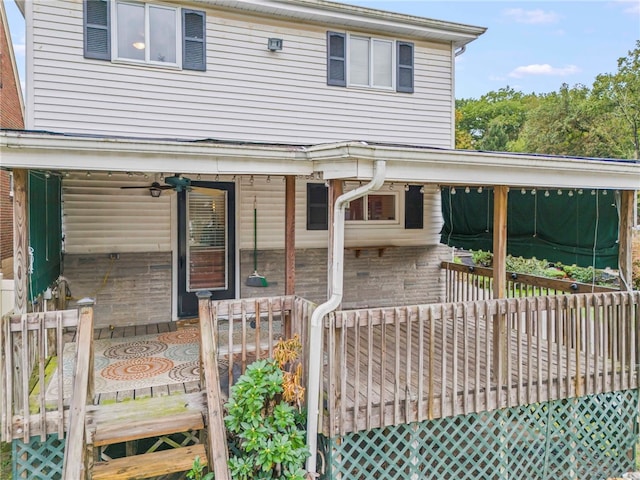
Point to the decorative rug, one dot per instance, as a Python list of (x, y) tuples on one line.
[(122, 364)]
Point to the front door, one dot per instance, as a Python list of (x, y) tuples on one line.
[(206, 243)]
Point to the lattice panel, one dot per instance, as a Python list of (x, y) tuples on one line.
[(574, 439), (38, 460)]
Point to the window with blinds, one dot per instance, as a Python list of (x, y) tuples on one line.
[(207, 240)]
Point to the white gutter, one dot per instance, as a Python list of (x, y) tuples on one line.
[(337, 281)]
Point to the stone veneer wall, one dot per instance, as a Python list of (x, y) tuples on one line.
[(402, 276), (137, 290)]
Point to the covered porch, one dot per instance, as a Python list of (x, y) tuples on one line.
[(384, 364)]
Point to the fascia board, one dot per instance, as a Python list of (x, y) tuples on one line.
[(334, 15), (77, 153), (406, 164)]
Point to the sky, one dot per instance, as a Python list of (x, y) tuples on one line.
[(530, 46)]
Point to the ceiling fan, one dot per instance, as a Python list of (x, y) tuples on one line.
[(175, 182)]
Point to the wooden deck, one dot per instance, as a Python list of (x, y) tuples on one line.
[(140, 393), (407, 364)]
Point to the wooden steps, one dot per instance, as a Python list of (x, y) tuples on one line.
[(147, 418), (150, 464), (116, 432)]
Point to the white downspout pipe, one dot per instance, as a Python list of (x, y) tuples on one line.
[(315, 331)]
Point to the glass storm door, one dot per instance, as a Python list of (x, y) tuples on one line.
[(206, 244)]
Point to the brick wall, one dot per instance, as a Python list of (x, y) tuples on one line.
[(6, 218), (402, 276), (10, 111), (137, 290), (10, 117)]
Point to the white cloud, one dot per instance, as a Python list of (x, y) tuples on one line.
[(19, 49), (543, 69), (537, 16), (634, 7)]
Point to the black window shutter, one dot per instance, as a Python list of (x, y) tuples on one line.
[(336, 59), (194, 52), (414, 208), (317, 206), (97, 34), (404, 82)]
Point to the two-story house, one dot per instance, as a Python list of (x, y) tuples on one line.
[(256, 148)]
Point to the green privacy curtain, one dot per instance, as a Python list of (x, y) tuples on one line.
[(45, 231), (567, 226)]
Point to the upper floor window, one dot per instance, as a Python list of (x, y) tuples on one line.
[(145, 33), (354, 60)]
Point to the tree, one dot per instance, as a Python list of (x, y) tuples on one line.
[(464, 141), (622, 91), (572, 122), (495, 119)]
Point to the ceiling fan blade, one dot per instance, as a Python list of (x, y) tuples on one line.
[(155, 185)]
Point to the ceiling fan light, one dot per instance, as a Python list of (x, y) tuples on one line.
[(155, 191)]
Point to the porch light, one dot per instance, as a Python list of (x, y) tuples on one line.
[(479, 189), (523, 191), (559, 192), (453, 190), (533, 191), (570, 193), (604, 192), (467, 190), (268, 178), (406, 187), (546, 193)]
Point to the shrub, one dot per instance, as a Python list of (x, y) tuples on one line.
[(265, 419), (480, 257)]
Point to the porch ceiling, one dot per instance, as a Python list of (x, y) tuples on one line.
[(345, 160)]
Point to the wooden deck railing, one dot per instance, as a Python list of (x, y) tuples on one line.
[(388, 366), (76, 457), (238, 332), (248, 329), (467, 283), (31, 348)]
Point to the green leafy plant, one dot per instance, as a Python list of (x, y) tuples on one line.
[(480, 257), (197, 471), (267, 439)]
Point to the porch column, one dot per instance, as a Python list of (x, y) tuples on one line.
[(289, 245), (625, 235), (500, 193), (20, 240), (335, 190)]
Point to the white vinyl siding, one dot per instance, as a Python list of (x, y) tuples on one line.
[(270, 203), (100, 217), (247, 93)]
